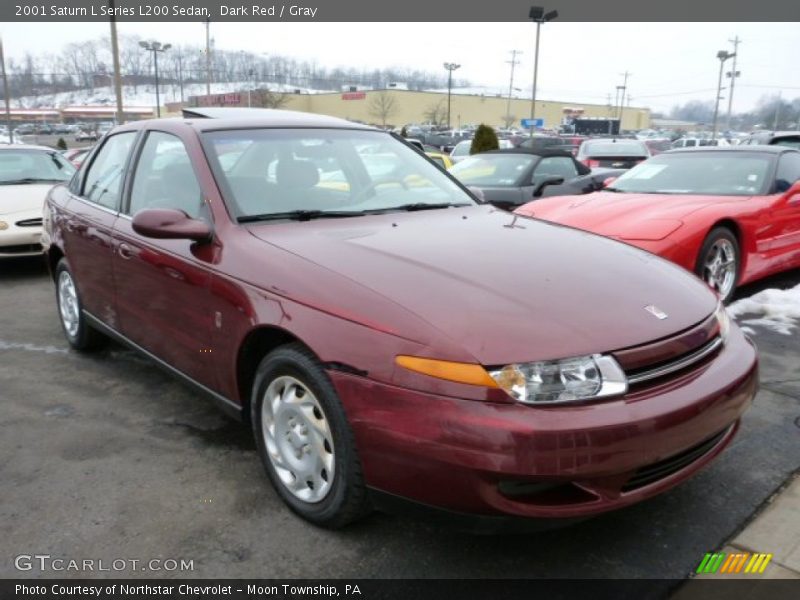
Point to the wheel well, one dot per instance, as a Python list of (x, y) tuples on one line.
[(734, 228), (53, 256), (255, 347)]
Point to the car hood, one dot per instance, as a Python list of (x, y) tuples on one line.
[(506, 288), (27, 198), (619, 215)]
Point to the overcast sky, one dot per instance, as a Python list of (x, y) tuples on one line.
[(579, 62)]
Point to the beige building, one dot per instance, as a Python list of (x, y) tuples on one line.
[(400, 107)]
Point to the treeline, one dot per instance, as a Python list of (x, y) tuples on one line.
[(87, 65), (771, 112)]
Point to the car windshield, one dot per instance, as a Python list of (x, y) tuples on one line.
[(500, 170), (621, 148), (714, 173), (33, 166), (309, 173)]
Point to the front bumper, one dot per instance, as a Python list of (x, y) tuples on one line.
[(20, 241), (563, 462)]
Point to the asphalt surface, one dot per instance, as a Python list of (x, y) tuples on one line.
[(105, 456)]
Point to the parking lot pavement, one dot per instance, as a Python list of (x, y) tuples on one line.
[(106, 457)]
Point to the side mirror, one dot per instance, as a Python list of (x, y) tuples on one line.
[(549, 181), (170, 224), (608, 181), (478, 193)]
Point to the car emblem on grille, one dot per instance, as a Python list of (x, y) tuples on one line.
[(3, 225), (656, 312)]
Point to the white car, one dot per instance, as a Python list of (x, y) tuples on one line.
[(26, 175), (461, 149)]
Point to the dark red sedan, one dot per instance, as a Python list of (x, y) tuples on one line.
[(387, 336)]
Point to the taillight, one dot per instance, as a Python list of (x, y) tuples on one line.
[(591, 163)]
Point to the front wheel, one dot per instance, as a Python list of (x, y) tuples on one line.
[(77, 330), (304, 439), (718, 262)]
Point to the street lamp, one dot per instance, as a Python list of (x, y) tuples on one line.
[(155, 48), (722, 55), (450, 68), (538, 16)]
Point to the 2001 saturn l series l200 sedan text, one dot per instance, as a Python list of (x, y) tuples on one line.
[(388, 336)]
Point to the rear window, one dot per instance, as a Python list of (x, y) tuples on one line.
[(622, 148)]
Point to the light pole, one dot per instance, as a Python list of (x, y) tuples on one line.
[(722, 55), (732, 74), (155, 48), (538, 16), (450, 68)]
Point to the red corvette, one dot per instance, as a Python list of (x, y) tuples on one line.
[(730, 215)]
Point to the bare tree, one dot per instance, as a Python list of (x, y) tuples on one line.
[(267, 99), (382, 106), (437, 113)]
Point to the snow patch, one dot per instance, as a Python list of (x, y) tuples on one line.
[(776, 310), (31, 348)]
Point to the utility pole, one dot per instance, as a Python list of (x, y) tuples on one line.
[(120, 115), (180, 73), (208, 56), (733, 74), (623, 88), (6, 93), (514, 62)]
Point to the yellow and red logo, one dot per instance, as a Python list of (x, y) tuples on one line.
[(734, 562)]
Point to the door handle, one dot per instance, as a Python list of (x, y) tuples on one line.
[(125, 251)]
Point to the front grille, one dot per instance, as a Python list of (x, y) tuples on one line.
[(676, 364), (30, 223), (21, 249), (673, 464)]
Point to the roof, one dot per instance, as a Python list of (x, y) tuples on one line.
[(743, 149), (531, 151), (208, 118)]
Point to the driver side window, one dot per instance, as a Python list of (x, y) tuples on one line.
[(164, 178), (554, 166), (788, 171)]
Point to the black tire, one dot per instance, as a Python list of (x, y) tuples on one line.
[(719, 235), (84, 338), (346, 500)]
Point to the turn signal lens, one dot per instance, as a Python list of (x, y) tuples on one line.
[(468, 373)]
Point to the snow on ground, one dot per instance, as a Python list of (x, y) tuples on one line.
[(145, 95), (777, 310)]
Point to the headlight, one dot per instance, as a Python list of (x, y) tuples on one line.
[(724, 321), (568, 380)]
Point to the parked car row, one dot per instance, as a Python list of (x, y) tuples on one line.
[(390, 337)]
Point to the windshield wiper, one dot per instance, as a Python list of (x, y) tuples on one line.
[(611, 189), (27, 180), (301, 215), (419, 206)]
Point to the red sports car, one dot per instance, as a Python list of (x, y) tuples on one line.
[(731, 215), (386, 335)]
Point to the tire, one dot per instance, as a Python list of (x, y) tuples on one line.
[(80, 335), (304, 439), (719, 262)]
